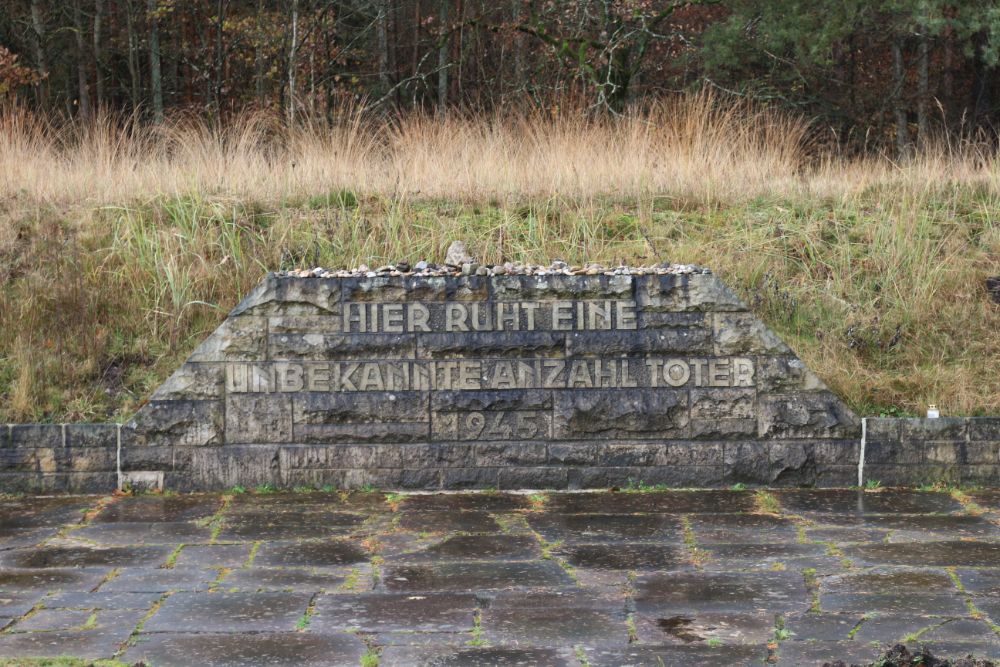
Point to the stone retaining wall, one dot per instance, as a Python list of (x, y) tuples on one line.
[(43, 458), (83, 458), (951, 450)]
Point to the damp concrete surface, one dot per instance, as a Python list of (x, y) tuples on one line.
[(742, 577)]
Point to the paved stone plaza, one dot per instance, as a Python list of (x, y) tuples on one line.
[(603, 578)]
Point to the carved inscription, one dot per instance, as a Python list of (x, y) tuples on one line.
[(599, 315), (489, 371), (480, 374)]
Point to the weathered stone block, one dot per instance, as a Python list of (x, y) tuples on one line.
[(49, 460), (334, 346), (835, 452), (193, 381), (455, 479), (303, 324), (157, 458), (236, 339), (805, 415), (722, 403), (945, 428), (625, 413), (981, 452), (236, 465), (781, 374), (528, 288), (176, 423), (687, 454), (656, 319), (92, 435), (889, 451), (258, 418), (675, 341), (532, 478), (723, 429), (979, 475), (784, 463), (672, 477), (698, 292), (490, 401), (415, 288), (63, 482), (984, 428), (492, 344), (36, 435), (743, 333), (499, 454), (285, 295), (433, 455), (944, 452), (361, 417)]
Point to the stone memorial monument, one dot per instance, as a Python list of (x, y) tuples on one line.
[(446, 379)]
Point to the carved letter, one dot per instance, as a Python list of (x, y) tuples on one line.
[(455, 317), (392, 318), (418, 315), (626, 315)]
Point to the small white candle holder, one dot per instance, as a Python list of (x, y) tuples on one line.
[(933, 412)]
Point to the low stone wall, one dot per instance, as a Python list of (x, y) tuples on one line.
[(951, 450), (91, 458), (50, 458)]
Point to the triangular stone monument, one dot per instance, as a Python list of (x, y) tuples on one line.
[(657, 376)]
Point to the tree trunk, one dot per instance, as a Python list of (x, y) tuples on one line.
[(519, 64), (258, 56), (443, 43), (81, 62), (220, 11), (99, 52), (37, 34), (155, 80), (980, 83), (948, 77), (898, 80), (923, 89), (133, 67), (293, 47), (382, 37)]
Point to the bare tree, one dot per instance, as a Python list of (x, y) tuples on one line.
[(292, 51), (444, 43), (898, 81), (83, 91), (37, 37), (98, 51), (155, 79)]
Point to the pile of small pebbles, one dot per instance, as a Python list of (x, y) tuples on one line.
[(557, 268)]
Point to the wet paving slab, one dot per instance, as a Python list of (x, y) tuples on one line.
[(229, 612), (882, 501), (631, 556), (706, 628), (353, 579), (375, 613), (923, 554), (492, 656), (616, 528), (676, 502), (602, 578), (291, 649)]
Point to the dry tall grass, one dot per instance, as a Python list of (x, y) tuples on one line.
[(121, 245)]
